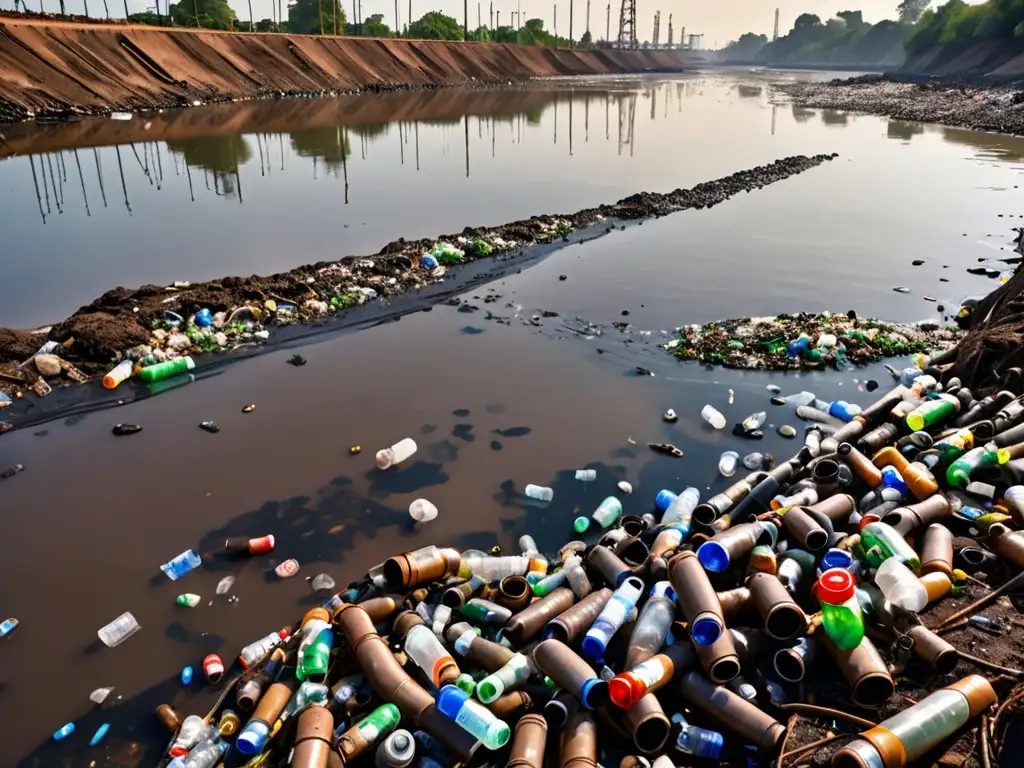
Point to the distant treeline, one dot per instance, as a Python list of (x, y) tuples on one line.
[(958, 22)]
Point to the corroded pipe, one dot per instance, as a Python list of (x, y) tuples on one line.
[(570, 625), (860, 465), (559, 662), (937, 552), (605, 562), (508, 706), (735, 602), (1007, 544), (514, 593), (710, 510), (933, 650), (478, 651), (647, 724), (720, 660), (865, 672), (783, 619), (697, 598), (579, 742), (380, 608), (420, 566), (734, 713), (905, 519), (313, 738), (805, 529), (528, 743), (527, 623)]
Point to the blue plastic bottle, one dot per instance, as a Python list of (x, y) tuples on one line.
[(182, 564), (700, 742), (612, 617)]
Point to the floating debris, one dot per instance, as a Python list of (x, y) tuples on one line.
[(787, 431), (209, 426), (670, 416), (249, 408), (666, 448), (126, 429)]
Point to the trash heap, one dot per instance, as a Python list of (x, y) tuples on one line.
[(806, 341), (688, 629)]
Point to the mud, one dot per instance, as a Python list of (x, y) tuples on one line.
[(996, 109), (95, 336), (52, 69)]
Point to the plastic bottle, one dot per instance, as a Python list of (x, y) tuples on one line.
[(515, 672), (119, 630), (378, 724), (586, 475), (653, 623), (118, 374), (713, 416), (315, 646), (426, 651), (953, 446), (932, 412), (7, 626), (493, 568), (473, 717), (182, 564), (891, 478), (613, 616), (607, 512), (161, 371), (539, 492), (664, 498), (700, 742), (900, 586), (841, 617), (206, 753), (548, 583), (253, 652), (397, 751), (396, 454), (193, 730), (727, 463), (959, 473), (422, 511), (681, 508), (880, 541), (307, 695), (64, 731), (754, 421), (577, 577)]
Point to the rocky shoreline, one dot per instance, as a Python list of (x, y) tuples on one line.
[(994, 109), (155, 323)]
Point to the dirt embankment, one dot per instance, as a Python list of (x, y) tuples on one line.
[(62, 68), (997, 109), (991, 61)]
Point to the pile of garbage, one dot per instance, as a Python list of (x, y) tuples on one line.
[(812, 595), (806, 341)]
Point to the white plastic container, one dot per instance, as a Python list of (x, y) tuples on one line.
[(118, 374), (539, 492), (422, 511), (119, 630), (900, 586), (727, 463), (396, 454), (586, 475), (713, 417)]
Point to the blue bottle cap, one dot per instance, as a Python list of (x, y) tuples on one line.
[(706, 631), (593, 646), (253, 738), (713, 556), (836, 558), (594, 693), (186, 675), (64, 731), (100, 733), (663, 589), (664, 499), (450, 700)]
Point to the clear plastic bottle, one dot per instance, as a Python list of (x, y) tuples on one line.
[(655, 618), (178, 566), (900, 586), (539, 492), (422, 511), (515, 672), (613, 616), (7, 626), (307, 695), (426, 651), (727, 463), (442, 615), (681, 508), (607, 512), (880, 541), (577, 577), (119, 630), (538, 563), (841, 617), (700, 742), (800, 398), (473, 717), (493, 568), (713, 416), (193, 730), (586, 475), (397, 751), (397, 453), (253, 652)]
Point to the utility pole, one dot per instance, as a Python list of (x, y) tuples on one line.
[(492, 17), (775, 34), (657, 29), (397, 25), (519, 15), (608, 24), (670, 30), (478, 24), (334, 9), (572, 42), (556, 26), (465, 19), (588, 15)]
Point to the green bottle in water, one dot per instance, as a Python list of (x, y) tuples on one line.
[(166, 370), (932, 412), (880, 541), (841, 617)]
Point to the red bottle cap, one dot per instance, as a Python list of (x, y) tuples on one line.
[(868, 519), (284, 633), (625, 690), (213, 666), (261, 545), (835, 586)]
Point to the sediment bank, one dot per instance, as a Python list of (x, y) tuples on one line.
[(63, 69), (995, 109), (352, 291)]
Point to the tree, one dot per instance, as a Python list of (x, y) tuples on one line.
[(523, 36), (746, 47), (435, 26), (853, 19), (313, 17), (481, 35), (806, 21), (149, 17), (208, 14), (265, 25), (911, 11), (374, 26), (587, 40)]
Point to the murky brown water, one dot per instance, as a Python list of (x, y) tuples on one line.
[(493, 406)]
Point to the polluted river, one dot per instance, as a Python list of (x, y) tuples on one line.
[(519, 375)]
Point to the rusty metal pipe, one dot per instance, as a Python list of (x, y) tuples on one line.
[(559, 662), (860, 465), (479, 651), (865, 671), (697, 598), (937, 552), (605, 562), (514, 593), (528, 743), (579, 742), (735, 602), (805, 529), (933, 650), (522, 627), (508, 706), (420, 566), (380, 608), (720, 660), (783, 619), (313, 738), (647, 724), (734, 713), (905, 519)]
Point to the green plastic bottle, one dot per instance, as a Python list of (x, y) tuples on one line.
[(166, 370), (379, 723), (956, 445), (315, 646), (840, 611), (932, 412), (880, 541), (959, 473)]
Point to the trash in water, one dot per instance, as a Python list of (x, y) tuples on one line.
[(64, 731), (901, 289), (100, 695), (187, 600), (641, 371), (670, 416), (666, 448), (713, 416), (539, 492), (126, 429), (100, 733), (321, 582), (355, 450), (625, 487), (209, 426), (7, 626), (249, 408), (123, 116), (119, 630), (287, 569), (787, 431), (181, 564), (586, 475), (187, 674), (396, 454), (727, 463), (297, 360), (754, 421), (422, 510), (12, 471), (224, 585)]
